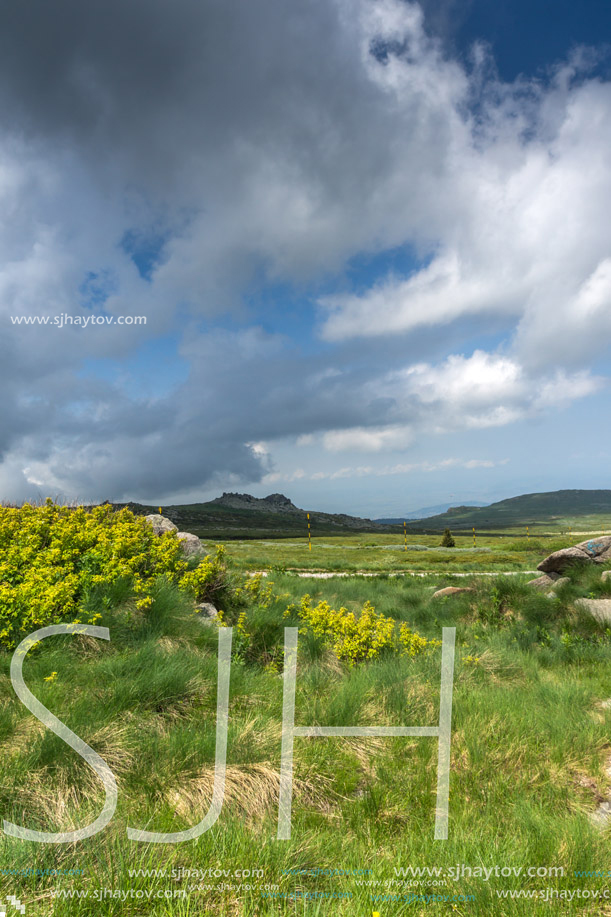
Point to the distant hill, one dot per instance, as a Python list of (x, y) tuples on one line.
[(236, 515), (424, 513), (274, 503), (528, 509), (243, 516)]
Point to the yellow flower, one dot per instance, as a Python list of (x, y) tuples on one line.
[(354, 639), (52, 557)]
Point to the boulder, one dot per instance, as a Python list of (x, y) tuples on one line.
[(603, 558), (553, 592), (544, 582), (598, 608), (559, 561), (451, 590), (602, 816), (595, 547), (190, 545), (556, 586), (160, 524), (207, 613), (560, 582)]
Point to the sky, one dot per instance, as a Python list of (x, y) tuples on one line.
[(353, 251)]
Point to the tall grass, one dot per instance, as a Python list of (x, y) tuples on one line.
[(529, 750)]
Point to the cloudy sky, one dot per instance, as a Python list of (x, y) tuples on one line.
[(369, 238)]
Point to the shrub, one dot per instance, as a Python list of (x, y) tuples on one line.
[(354, 639), (54, 557), (209, 580), (447, 540)]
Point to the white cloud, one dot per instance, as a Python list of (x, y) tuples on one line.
[(483, 390), (368, 439), (402, 468), (527, 192)]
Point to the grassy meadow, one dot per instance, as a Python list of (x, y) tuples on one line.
[(530, 750), (387, 553)]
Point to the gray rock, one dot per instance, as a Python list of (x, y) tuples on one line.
[(603, 558), (190, 545), (207, 613), (602, 816), (559, 561), (451, 590), (598, 608), (594, 547), (544, 582), (606, 576), (160, 524), (560, 582), (556, 586)]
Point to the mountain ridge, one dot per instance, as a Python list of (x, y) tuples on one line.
[(234, 515), (524, 509)]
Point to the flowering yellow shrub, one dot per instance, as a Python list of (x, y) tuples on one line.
[(354, 639), (208, 577), (253, 591), (52, 556), (412, 644)]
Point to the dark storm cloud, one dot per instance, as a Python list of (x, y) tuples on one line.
[(161, 86)]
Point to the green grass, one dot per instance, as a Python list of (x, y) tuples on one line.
[(387, 554), (529, 750)]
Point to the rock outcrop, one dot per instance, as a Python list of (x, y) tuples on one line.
[(595, 550), (598, 608), (160, 524), (451, 590), (544, 582), (207, 613), (549, 583), (561, 560), (190, 544), (598, 549)]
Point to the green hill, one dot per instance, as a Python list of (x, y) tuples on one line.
[(582, 507), (244, 516)]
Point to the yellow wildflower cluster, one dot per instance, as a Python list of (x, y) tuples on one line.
[(208, 577), (356, 638), (52, 556), (254, 592), (412, 644)]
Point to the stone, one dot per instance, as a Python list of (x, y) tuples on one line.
[(190, 545), (544, 582), (598, 608), (559, 561), (603, 558), (451, 590), (161, 524), (207, 613), (606, 576), (594, 547), (556, 585), (560, 582), (602, 816)]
